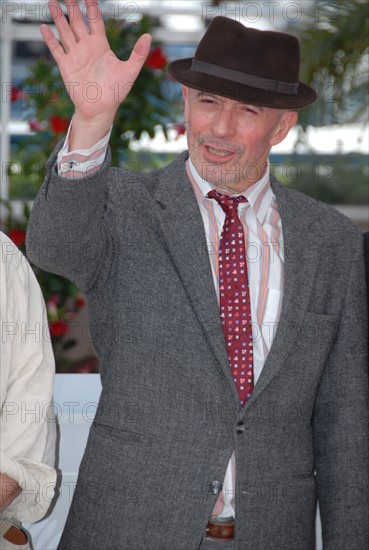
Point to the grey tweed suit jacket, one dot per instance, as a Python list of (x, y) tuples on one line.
[(169, 415)]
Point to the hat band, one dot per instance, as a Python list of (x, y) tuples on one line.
[(243, 78)]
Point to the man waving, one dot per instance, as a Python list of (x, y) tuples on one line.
[(227, 312)]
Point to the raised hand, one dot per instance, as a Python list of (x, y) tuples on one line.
[(96, 80)]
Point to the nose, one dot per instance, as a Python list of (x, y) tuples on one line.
[(224, 123)]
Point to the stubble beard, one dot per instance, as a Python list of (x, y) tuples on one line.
[(219, 174)]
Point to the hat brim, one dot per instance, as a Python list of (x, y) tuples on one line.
[(181, 70)]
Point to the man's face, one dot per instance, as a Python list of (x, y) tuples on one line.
[(229, 141)]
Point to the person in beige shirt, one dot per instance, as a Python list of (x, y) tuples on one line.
[(27, 421)]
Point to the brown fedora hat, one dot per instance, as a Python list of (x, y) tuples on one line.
[(247, 65)]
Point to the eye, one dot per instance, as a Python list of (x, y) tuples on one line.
[(249, 109), (207, 99)]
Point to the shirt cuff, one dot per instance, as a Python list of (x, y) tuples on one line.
[(81, 162), (37, 481)]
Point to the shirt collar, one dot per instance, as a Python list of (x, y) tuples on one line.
[(260, 195)]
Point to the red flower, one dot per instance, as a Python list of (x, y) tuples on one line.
[(15, 94), (54, 299), (156, 59), (180, 129), (18, 236), (87, 367), (58, 329), (59, 124), (79, 302)]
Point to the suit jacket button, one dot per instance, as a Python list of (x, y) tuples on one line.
[(240, 427), (215, 487)]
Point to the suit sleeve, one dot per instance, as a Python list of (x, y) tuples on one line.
[(69, 231), (341, 424)]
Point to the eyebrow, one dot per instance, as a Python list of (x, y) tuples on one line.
[(256, 107), (259, 107), (207, 94)]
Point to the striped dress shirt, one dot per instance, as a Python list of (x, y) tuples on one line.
[(81, 162)]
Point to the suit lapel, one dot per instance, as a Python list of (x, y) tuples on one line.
[(301, 246), (183, 230)]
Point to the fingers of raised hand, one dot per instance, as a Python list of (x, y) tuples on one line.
[(94, 16), (52, 43), (65, 33), (76, 20), (140, 50), (76, 29)]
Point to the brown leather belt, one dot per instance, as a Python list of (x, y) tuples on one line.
[(15, 536), (220, 530)]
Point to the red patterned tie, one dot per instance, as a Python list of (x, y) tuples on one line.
[(234, 297)]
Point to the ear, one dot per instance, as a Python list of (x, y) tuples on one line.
[(185, 94), (286, 121)]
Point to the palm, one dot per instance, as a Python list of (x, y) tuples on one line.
[(96, 80), (95, 77)]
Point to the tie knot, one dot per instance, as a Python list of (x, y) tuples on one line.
[(227, 202)]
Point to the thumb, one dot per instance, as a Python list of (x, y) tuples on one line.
[(141, 49)]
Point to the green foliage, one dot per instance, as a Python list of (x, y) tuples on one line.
[(335, 60), (334, 179)]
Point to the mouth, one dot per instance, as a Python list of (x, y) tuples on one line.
[(217, 153)]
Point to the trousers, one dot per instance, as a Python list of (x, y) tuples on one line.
[(215, 544)]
